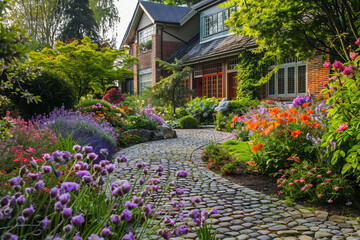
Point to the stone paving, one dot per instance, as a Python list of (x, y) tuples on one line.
[(242, 212)]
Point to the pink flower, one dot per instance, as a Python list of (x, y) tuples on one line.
[(303, 188), (319, 176), (310, 173), (305, 167), (310, 185), (342, 127), (357, 41), (328, 180), (347, 70), (337, 64), (326, 64), (330, 201), (280, 192), (291, 184), (296, 181), (319, 196), (348, 203), (353, 55), (325, 84), (293, 170), (302, 179), (336, 188), (328, 172)]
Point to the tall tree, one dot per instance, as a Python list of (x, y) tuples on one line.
[(177, 2), (88, 68), (79, 21), (296, 28), (172, 88)]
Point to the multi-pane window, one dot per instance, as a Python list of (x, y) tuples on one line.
[(198, 71), (232, 64), (289, 80), (216, 23), (146, 35), (145, 81), (212, 86)]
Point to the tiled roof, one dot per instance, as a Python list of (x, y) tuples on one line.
[(165, 13), (194, 51), (202, 4)]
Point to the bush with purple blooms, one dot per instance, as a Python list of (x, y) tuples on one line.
[(67, 197)]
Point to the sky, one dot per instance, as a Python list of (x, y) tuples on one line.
[(126, 11)]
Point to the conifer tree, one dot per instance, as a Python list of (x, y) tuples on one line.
[(80, 21)]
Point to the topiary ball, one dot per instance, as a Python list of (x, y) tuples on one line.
[(188, 122)]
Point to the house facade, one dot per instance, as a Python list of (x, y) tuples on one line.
[(202, 41)]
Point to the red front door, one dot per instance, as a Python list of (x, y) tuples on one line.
[(233, 85), (198, 87)]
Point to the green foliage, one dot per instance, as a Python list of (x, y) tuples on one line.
[(239, 150), (313, 183), (66, 143), (286, 29), (90, 101), (126, 139), (87, 67), (80, 21), (205, 232), (188, 122), (172, 89), (344, 130), (53, 90), (139, 122)]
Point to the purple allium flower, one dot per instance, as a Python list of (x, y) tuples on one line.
[(104, 152), (39, 185), (28, 211), (92, 156), (87, 179), (181, 174), (54, 192), (95, 237), (205, 214), (194, 214), (44, 223), (124, 159), (20, 200), (15, 181), (58, 206), (214, 211), (82, 173), (87, 149), (21, 220), (127, 214), (115, 219), (141, 181), (77, 148), (179, 191), (137, 199), (165, 233), (148, 210), (46, 169), (78, 220), (182, 230), (34, 176), (129, 236), (64, 198), (67, 212), (10, 236), (110, 168), (130, 205), (300, 100), (106, 232), (181, 216), (46, 157), (70, 186), (146, 171), (68, 228), (13, 201), (168, 220), (79, 156), (97, 167), (104, 172), (138, 165), (160, 168), (77, 237), (5, 200)]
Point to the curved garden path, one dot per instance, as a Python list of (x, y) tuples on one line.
[(242, 212)]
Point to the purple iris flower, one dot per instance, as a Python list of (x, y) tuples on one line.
[(15, 181), (64, 198), (181, 174), (129, 236), (58, 206), (300, 100), (130, 205), (21, 219), (46, 169), (67, 212), (95, 237), (28, 211), (39, 185), (182, 230), (82, 173), (106, 232), (78, 220), (68, 228), (20, 200), (10, 236), (77, 237)]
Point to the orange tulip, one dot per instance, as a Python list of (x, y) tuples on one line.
[(235, 118), (232, 125), (309, 111), (257, 147), (296, 133), (306, 104)]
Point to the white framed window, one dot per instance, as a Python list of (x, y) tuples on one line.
[(216, 23), (145, 81), (290, 80), (232, 64), (146, 35)]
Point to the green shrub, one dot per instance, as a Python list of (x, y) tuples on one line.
[(188, 122), (202, 109), (53, 90), (139, 122), (89, 102)]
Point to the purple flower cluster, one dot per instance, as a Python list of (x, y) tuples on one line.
[(300, 100)]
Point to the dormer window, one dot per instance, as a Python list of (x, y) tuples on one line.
[(216, 23)]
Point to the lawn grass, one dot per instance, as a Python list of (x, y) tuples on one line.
[(239, 150)]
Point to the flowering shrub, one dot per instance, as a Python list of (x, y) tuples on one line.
[(63, 197), (126, 139), (280, 133), (27, 142), (114, 96), (202, 109), (82, 127), (343, 91), (219, 158), (315, 184)]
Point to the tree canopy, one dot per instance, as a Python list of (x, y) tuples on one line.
[(172, 88), (88, 68), (298, 28)]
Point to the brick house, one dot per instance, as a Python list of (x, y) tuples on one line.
[(212, 51)]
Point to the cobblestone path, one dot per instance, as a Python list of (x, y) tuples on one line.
[(242, 212)]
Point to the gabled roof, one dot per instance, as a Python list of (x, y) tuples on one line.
[(158, 13), (194, 51), (164, 13), (205, 3)]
